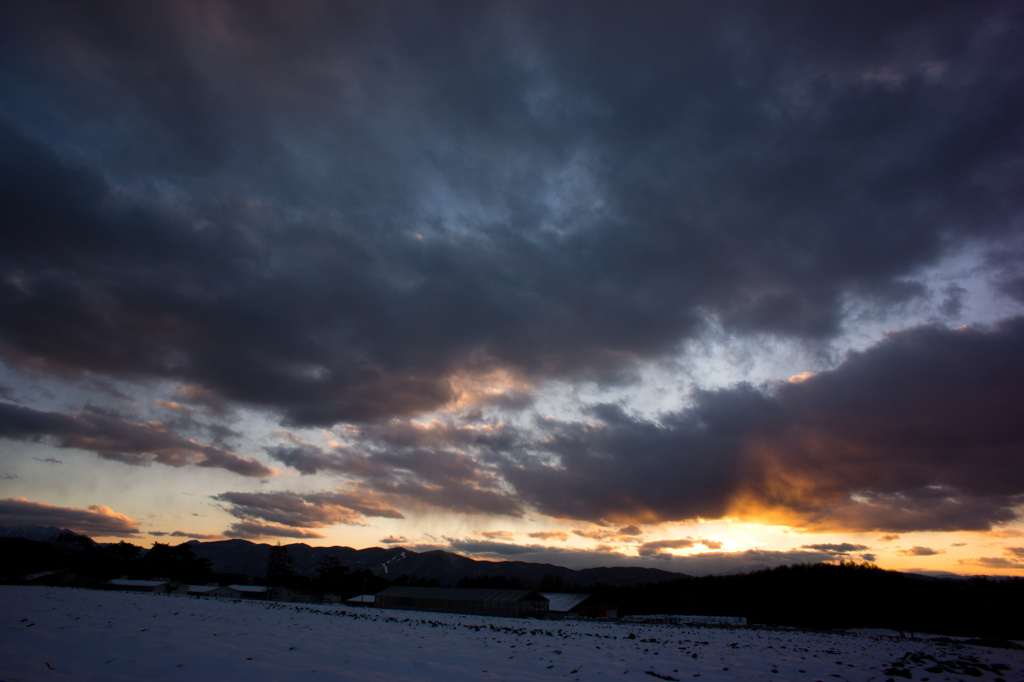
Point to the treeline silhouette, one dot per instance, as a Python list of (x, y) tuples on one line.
[(71, 559), (820, 596), (843, 595)]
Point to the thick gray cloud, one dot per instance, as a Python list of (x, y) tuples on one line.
[(921, 432), (112, 437), (94, 520), (362, 212), (332, 210)]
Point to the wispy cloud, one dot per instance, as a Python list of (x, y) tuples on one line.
[(920, 551), (838, 548), (251, 530), (271, 512), (115, 438), (656, 548)]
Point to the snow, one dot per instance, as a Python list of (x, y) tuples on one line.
[(75, 634), (202, 589), (249, 589), (124, 582), (562, 602), (394, 558)]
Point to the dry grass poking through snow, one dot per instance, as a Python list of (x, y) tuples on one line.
[(71, 634)]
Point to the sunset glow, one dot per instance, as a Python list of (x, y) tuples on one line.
[(704, 288)]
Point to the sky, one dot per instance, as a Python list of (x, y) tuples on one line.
[(698, 286)]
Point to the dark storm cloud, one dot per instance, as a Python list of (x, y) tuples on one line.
[(333, 210), (94, 520), (624, 468), (922, 432), (112, 437), (924, 427)]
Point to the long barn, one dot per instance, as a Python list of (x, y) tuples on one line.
[(476, 601), (564, 605)]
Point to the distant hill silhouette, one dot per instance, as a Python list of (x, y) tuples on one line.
[(242, 556)]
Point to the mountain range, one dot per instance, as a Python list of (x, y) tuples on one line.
[(242, 557)]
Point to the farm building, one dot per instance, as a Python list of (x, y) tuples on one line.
[(163, 586), (210, 591), (56, 579), (361, 600), (565, 605), (476, 601), (251, 591)]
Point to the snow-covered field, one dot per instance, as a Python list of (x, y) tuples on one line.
[(73, 634)]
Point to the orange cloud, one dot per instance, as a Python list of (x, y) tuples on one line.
[(251, 530), (920, 551), (96, 519), (559, 535), (490, 387), (497, 534)]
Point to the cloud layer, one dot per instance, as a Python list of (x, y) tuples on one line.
[(94, 520), (403, 224), (921, 432), (334, 218), (112, 437)]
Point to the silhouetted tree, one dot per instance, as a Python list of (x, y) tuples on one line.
[(552, 583), (175, 563), (123, 551), (280, 572), (118, 559), (332, 576)]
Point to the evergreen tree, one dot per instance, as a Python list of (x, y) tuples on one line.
[(332, 576), (280, 572), (175, 563)]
